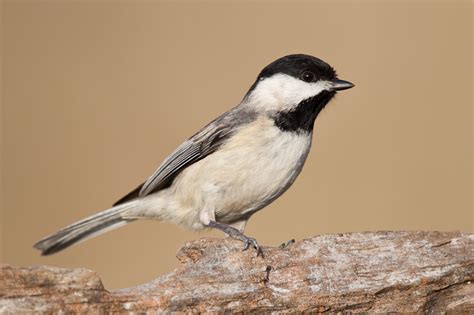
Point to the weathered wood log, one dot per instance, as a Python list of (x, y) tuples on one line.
[(357, 272)]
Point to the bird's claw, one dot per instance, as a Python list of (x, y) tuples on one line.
[(287, 244), (236, 234), (251, 241)]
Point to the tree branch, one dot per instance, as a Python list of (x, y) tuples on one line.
[(357, 272)]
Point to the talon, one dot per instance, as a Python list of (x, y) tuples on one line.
[(251, 241), (287, 244), (236, 234), (246, 245)]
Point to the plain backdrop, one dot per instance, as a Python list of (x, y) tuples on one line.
[(95, 94)]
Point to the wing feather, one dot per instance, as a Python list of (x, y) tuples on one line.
[(199, 146), (187, 153)]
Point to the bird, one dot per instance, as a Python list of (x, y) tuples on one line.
[(234, 166)]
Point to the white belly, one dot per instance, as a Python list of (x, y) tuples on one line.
[(244, 175)]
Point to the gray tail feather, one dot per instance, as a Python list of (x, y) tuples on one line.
[(82, 230)]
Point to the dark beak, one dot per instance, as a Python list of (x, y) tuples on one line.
[(339, 85)]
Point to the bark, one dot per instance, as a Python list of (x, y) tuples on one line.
[(357, 272)]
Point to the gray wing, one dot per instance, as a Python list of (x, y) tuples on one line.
[(188, 153), (199, 146)]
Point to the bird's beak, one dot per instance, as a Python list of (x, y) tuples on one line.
[(339, 85)]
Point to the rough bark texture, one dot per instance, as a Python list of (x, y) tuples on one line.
[(357, 272)]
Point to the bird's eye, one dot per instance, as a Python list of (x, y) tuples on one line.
[(308, 76)]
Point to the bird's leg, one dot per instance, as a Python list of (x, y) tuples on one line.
[(235, 233), (239, 225)]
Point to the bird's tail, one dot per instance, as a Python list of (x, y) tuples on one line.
[(89, 227)]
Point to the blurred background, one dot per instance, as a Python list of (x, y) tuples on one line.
[(95, 94)]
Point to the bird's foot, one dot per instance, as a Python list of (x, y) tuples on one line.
[(287, 244), (236, 234), (251, 241)]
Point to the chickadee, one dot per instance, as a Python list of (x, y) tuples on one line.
[(234, 166)]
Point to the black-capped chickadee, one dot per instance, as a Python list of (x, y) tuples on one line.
[(234, 166)]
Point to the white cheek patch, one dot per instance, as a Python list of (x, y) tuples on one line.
[(281, 91)]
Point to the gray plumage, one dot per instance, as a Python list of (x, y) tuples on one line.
[(200, 145)]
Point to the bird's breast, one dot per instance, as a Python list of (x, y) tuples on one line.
[(256, 165)]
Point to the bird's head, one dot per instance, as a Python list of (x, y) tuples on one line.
[(293, 80)]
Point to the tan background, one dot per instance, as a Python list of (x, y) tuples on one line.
[(95, 94)]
